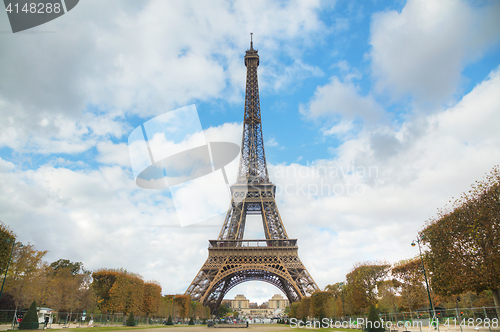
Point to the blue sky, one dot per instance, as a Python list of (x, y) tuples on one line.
[(375, 114)]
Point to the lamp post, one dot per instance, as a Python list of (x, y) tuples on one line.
[(8, 263), (431, 310), (343, 306)]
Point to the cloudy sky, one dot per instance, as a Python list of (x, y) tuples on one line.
[(375, 114)]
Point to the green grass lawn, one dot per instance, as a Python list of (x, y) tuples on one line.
[(118, 328)]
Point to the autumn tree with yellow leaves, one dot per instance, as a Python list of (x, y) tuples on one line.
[(464, 242)]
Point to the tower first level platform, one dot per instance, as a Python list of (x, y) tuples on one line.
[(232, 262)]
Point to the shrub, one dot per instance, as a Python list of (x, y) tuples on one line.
[(30, 320), (169, 321), (130, 320), (374, 324)]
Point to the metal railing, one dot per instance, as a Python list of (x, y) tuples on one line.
[(79, 319), (252, 243), (457, 319)]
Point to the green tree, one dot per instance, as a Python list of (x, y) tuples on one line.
[(373, 323), (169, 321), (130, 320), (74, 267), (223, 310), (464, 242), (322, 304), (30, 319), (337, 290), (191, 321)]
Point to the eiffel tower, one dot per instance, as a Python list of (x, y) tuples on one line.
[(232, 260)]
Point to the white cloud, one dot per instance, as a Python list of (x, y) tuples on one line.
[(423, 50), (113, 154), (138, 59), (271, 142), (370, 201), (341, 128), (370, 213), (339, 98)]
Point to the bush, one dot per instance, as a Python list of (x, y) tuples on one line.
[(374, 324), (169, 321), (130, 320), (191, 321), (30, 320)]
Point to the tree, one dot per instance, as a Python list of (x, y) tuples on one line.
[(199, 311), (464, 242), (130, 320), (223, 310), (126, 294), (388, 300), (373, 323), (74, 267), (410, 279), (362, 284), (103, 281), (294, 310), (68, 291), (7, 239), (23, 278), (322, 304), (183, 304), (191, 321), (337, 290), (152, 298), (30, 319), (118, 290), (169, 321)]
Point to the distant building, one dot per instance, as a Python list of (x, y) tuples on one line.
[(278, 302), (272, 308), (240, 302)]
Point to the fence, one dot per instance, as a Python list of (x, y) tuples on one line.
[(459, 319), (74, 319)]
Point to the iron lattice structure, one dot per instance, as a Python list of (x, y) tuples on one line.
[(232, 260)]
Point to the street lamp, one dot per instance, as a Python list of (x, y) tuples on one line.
[(418, 240), (343, 306), (8, 263)]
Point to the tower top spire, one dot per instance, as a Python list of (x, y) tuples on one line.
[(251, 40)]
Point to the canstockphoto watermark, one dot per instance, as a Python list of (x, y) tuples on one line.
[(350, 324), (171, 152), (325, 169), (326, 178), (26, 14), (322, 188)]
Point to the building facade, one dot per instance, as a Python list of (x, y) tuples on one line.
[(273, 308)]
